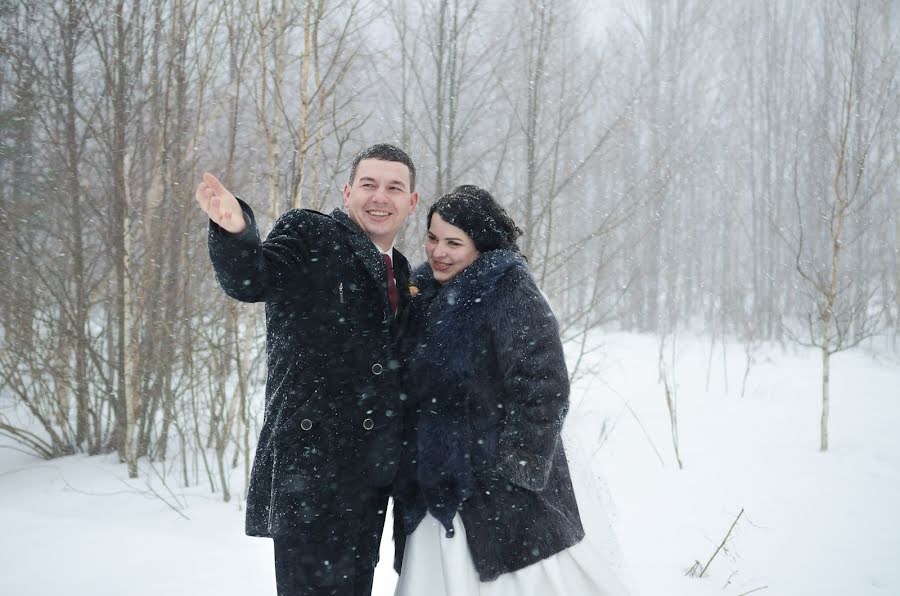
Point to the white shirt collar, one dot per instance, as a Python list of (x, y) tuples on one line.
[(389, 252)]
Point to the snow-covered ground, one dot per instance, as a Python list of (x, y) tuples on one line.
[(817, 524)]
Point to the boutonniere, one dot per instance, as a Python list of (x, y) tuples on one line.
[(413, 291)]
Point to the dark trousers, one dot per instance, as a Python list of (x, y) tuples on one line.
[(342, 562), (290, 561)]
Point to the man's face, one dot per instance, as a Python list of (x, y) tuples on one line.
[(379, 199)]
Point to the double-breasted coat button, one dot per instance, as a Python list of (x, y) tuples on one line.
[(368, 424), (377, 368), (306, 424)]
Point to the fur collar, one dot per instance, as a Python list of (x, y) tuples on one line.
[(474, 284)]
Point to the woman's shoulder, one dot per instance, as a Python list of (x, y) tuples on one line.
[(511, 275), (496, 270), (517, 297)]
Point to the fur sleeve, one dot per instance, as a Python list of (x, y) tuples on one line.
[(247, 268), (534, 380)]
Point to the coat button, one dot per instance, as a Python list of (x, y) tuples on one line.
[(377, 368), (368, 424), (306, 424)]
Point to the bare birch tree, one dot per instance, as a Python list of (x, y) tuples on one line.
[(842, 316)]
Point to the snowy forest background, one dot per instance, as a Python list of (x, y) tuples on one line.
[(728, 169)]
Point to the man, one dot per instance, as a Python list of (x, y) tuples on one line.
[(329, 443)]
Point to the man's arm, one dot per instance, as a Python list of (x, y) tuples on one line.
[(246, 268)]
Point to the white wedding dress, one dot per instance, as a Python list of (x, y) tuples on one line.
[(434, 565)]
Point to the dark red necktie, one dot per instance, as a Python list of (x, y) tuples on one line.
[(392, 287)]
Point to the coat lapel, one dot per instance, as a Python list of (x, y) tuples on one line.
[(364, 250), (367, 253)]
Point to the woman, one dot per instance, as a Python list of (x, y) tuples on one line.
[(484, 502)]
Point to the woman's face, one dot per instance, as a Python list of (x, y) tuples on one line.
[(449, 249)]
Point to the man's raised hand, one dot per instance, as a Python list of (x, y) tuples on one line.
[(220, 205)]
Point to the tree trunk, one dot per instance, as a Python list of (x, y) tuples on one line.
[(826, 399), (70, 34), (303, 139)]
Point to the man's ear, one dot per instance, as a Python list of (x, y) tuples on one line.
[(346, 194), (413, 201)]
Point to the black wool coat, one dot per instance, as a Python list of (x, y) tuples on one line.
[(329, 442), (488, 391)]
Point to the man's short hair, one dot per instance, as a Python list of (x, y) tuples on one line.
[(385, 152)]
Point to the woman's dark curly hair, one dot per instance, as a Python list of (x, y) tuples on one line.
[(474, 211)]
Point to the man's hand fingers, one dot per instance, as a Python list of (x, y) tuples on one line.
[(209, 194), (214, 185), (220, 205), (215, 209), (203, 195)]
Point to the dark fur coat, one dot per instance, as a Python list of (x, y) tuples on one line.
[(488, 392)]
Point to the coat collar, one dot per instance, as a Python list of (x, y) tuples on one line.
[(370, 257), (471, 286)]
